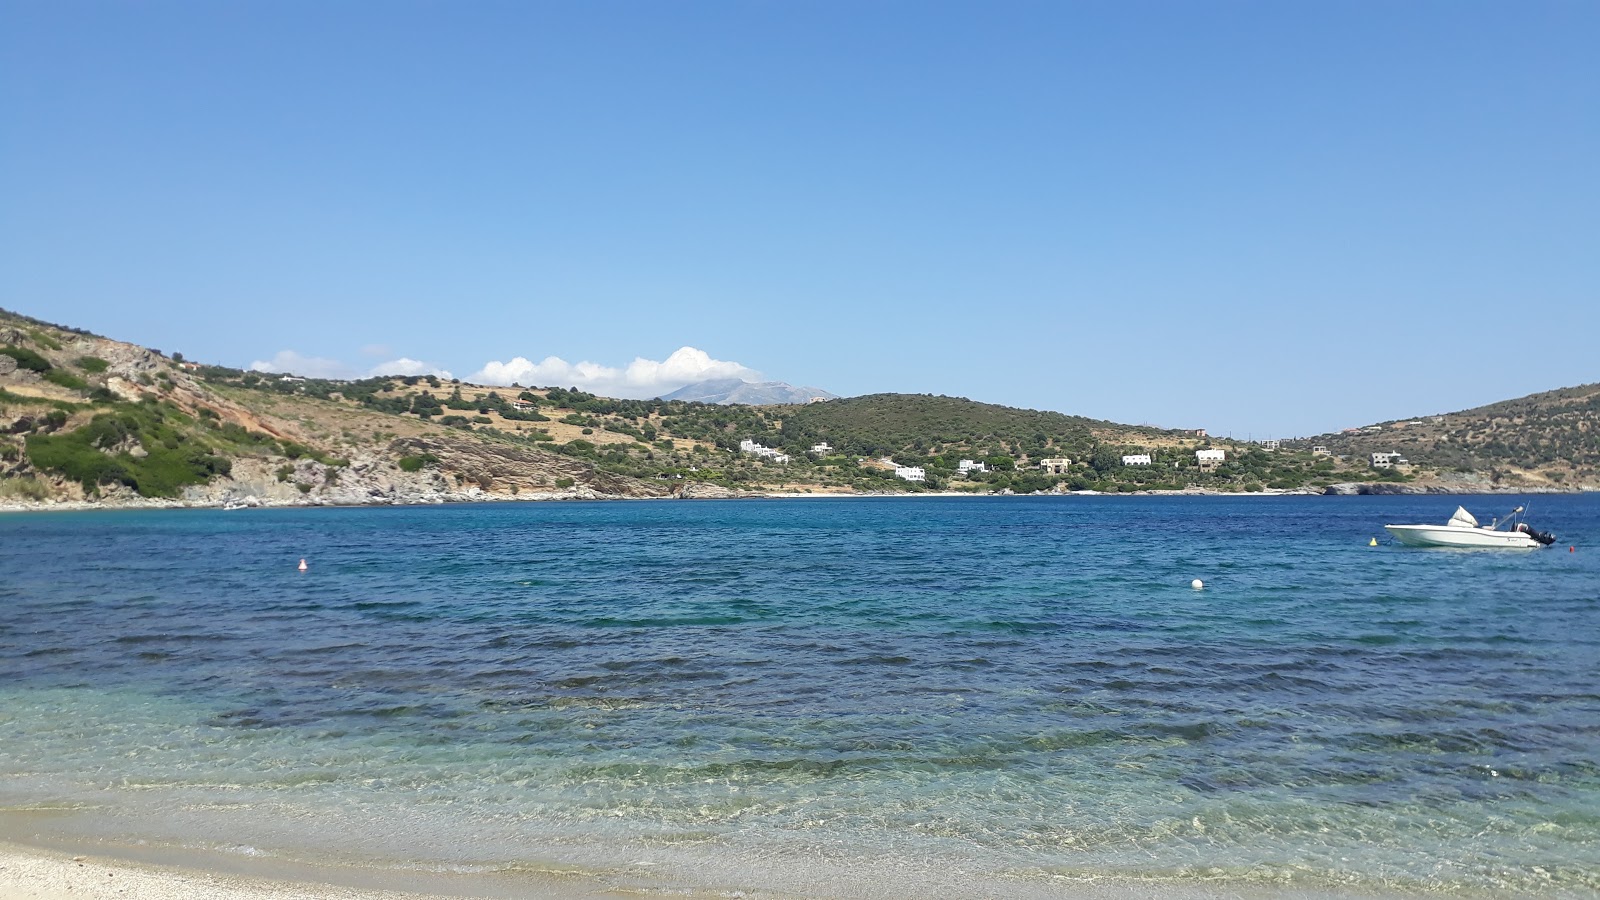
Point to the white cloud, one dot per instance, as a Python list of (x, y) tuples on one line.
[(641, 378), (405, 365), (292, 363)]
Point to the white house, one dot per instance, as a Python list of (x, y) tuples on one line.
[(1056, 465), (910, 473), (821, 449), (1320, 450), (967, 467), (1388, 460), (755, 449), (1136, 459), (1210, 459), (1269, 446)]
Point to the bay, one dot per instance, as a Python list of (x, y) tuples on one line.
[(951, 696)]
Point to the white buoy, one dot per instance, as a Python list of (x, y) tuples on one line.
[(302, 565), (1197, 584)]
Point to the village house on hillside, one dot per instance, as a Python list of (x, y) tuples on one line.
[(1389, 461), (1055, 465), (755, 449), (1136, 459), (967, 467), (1208, 460), (911, 473)]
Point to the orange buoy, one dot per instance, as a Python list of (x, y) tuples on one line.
[(302, 565)]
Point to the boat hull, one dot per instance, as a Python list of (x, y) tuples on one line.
[(1455, 536)]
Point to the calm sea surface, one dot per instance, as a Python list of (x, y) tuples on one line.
[(954, 697)]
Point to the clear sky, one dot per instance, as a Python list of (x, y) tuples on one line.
[(1261, 218)]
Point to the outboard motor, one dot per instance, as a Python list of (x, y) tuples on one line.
[(1543, 537)]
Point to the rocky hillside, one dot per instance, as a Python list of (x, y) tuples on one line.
[(87, 418), (1550, 439), (84, 418)]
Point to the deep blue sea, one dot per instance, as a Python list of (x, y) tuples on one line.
[(824, 697)]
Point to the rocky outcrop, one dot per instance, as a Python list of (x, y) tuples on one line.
[(705, 490), (1383, 488), (450, 471), (1469, 484), (496, 467)]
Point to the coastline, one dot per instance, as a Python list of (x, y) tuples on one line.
[(1346, 489)]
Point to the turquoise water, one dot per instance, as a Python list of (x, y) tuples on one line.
[(953, 697)]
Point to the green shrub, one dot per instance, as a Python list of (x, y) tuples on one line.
[(66, 379), (45, 340), (93, 364), (72, 457), (295, 450), (415, 463), (23, 489), (92, 454), (27, 359), (564, 483)]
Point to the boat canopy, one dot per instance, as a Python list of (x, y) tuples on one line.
[(1463, 519)]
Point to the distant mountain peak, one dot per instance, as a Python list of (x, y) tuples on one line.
[(747, 393)]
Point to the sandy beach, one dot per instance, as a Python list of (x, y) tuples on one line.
[(32, 873)]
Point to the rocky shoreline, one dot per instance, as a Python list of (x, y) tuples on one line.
[(695, 491)]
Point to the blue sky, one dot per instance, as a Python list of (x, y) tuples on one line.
[(1264, 219)]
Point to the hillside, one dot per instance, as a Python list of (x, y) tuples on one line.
[(1547, 439), (86, 418)]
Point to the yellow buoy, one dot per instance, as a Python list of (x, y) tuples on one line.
[(1374, 543)]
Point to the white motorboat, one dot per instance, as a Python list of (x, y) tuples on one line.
[(1464, 531)]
